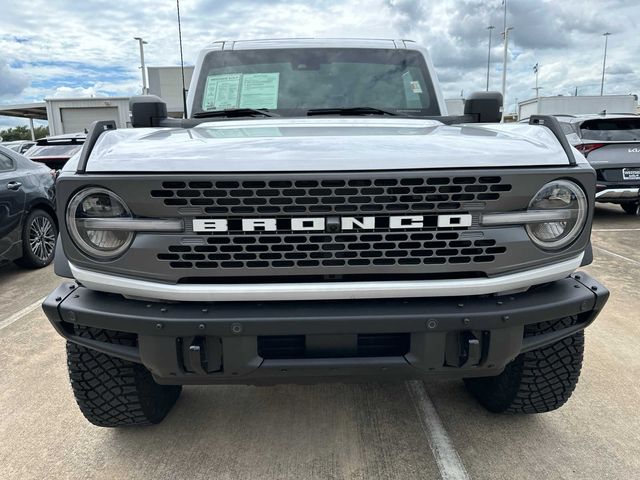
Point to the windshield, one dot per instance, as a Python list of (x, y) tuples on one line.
[(52, 150), (290, 82), (611, 129)]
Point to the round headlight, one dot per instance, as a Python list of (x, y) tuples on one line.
[(567, 202), (98, 203)]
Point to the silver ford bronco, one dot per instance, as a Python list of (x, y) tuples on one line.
[(319, 217)]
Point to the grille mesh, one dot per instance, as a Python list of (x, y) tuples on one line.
[(362, 195), (260, 250)]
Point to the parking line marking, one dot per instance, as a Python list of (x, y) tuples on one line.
[(616, 230), (617, 255), (22, 313), (445, 454)]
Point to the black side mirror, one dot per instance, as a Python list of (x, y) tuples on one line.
[(485, 106), (147, 111)]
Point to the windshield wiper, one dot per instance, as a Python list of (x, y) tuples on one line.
[(236, 112), (352, 111)]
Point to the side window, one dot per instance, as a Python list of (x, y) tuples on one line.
[(566, 128), (6, 163)]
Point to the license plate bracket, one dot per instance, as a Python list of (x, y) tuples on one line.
[(631, 173)]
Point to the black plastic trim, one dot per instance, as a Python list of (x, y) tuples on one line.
[(552, 124), (237, 325), (96, 129), (61, 265)]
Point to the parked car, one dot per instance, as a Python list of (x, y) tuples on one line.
[(55, 151), (320, 217), (19, 146), (28, 228), (611, 144)]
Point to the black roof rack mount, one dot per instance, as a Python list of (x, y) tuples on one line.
[(95, 130), (552, 124)]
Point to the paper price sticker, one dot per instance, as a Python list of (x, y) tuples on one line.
[(249, 90), (221, 92), (260, 90), (415, 87)]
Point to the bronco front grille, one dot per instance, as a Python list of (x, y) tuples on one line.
[(360, 249), (338, 251), (331, 195)]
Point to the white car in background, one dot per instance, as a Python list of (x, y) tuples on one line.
[(19, 146)]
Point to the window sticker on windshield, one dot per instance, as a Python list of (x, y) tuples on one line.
[(259, 90), (412, 96), (221, 92), (415, 87)]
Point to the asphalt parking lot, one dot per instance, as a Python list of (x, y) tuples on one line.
[(392, 431)]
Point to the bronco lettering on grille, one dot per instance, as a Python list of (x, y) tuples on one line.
[(298, 224)]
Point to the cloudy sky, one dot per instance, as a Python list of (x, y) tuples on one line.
[(52, 48)]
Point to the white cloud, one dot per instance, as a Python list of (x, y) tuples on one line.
[(74, 92), (95, 52), (12, 82)]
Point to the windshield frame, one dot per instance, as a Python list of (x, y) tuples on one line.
[(219, 58)]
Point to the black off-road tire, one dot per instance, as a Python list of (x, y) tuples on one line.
[(112, 392), (538, 381), (38, 225), (631, 208)]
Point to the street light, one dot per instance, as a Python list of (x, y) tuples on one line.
[(536, 70), (604, 60), (504, 62), (490, 28), (504, 57), (142, 43)]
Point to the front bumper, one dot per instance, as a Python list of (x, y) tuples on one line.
[(618, 194), (334, 340)]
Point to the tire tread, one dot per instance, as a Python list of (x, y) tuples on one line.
[(538, 381), (112, 392)]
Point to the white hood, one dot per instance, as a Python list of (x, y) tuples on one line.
[(324, 144)]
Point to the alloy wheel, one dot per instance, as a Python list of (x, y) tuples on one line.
[(42, 238)]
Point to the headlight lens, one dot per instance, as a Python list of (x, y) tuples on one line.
[(558, 195), (98, 203)]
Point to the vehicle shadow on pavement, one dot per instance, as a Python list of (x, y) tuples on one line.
[(613, 215), (9, 271), (319, 431), (288, 431)]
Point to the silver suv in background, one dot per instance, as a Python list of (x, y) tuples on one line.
[(611, 143)]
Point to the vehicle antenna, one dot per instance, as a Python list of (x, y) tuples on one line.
[(184, 90)]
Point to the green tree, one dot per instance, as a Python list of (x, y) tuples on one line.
[(22, 133)]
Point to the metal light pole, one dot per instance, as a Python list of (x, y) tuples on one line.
[(604, 60), (504, 59), (504, 64), (536, 70), (490, 28), (142, 43)]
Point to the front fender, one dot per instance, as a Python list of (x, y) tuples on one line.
[(60, 263)]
